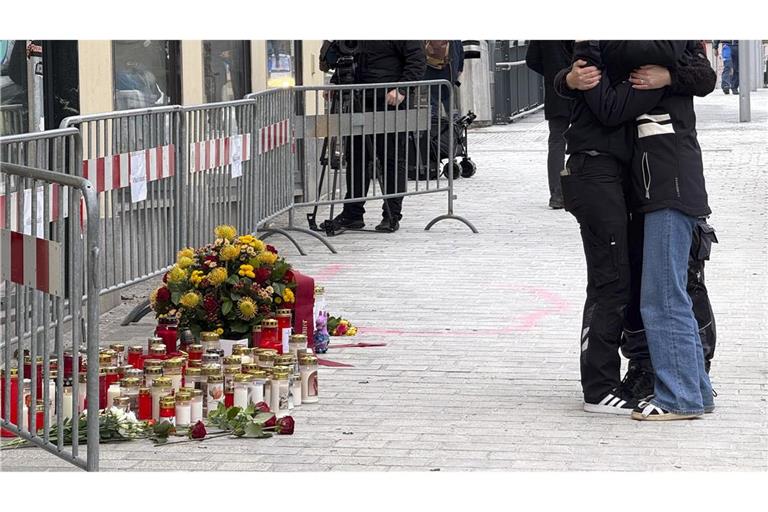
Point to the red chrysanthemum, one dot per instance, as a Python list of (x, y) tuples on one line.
[(289, 277), (272, 249), (163, 294), (262, 275)]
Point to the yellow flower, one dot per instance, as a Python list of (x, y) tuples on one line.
[(229, 252), (153, 298), (185, 262), (196, 277), (190, 300), (352, 331), (246, 271), (268, 257), (187, 252), (225, 231), (217, 276), (247, 308), (177, 274), (219, 331), (288, 295), (258, 245), (246, 239)]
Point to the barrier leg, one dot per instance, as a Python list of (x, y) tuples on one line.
[(137, 313), (451, 216), (271, 231)]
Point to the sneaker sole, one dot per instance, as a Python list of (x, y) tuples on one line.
[(664, 417), (606, 409)]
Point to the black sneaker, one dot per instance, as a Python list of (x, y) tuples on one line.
[(556, 204), (342, 222), (615, 402), (735, 91), (388, 225), (646, 411), (726, 91), (639, 379)]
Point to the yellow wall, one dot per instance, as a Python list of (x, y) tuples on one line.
[(312, 73), (258, 65), (192, 72), (96, 77)]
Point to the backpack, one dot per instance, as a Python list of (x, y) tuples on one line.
[(438, 53)]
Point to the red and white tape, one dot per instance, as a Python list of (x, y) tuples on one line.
[(208, 154), (56, 193), (114, 171), (274, 136), (33, 262)]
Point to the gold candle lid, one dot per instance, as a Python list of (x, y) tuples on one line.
[(280, 374), (269, 323), (298, 338), (250, 367), (194, 372), (257, 374), (162, 382), (121, 401), (196, 393), (283, 312), (136, 349), (243, 377), (196, 347), (215, 379), (183, 395), (210, 370), (110, 370), (267, 356), (167, 401), (130, 382), (176, 362), (153, 370), (307, 359), (230, 360), (157, 350), (117, 347), (209, 336)]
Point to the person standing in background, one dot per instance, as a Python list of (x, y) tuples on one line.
[(547, 58), (730, 54), (445, 61)]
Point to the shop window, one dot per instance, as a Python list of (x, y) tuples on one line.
[(146, 74), (281, 64), (18, 61), (226, 70)]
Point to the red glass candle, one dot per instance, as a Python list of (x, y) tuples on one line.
[(229, 394), (134, 356), (168, 409), (103, 389), (145, 404), (168, 331), (269, 337), (39, 411), (12, 414), (195, 352), (69, 363), (38, 373), (255, 337), (284, 322)]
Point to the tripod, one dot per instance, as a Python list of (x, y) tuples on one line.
[(337, 160)]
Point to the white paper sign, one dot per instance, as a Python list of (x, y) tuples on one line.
[(236, 155), (40, 205), (138, 177)]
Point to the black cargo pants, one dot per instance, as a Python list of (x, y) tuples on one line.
[(593, 192)]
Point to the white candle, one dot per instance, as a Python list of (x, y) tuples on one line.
[(51, 400), (274, 396), (296, 390), (256, 392), (196, 410), (176, 381), (241, 397), (112, 393), (67, 403), (184, 414)]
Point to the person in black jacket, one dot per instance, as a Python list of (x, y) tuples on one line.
[(547, 58), (595, 187), (380, 62), (449, 70), (668, 187)]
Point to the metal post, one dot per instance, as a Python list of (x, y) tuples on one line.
[(745, 114)]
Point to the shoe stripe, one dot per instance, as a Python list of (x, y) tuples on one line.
[(615, 401), (621, 404), (607, 399)]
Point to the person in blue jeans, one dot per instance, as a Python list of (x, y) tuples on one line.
[(449, 67), (730, 54), (669, 189), (725, 80)]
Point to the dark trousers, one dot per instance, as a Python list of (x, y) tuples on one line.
[(361, 153), (556, 156), (594, 193), (634, 344), (735, 66)]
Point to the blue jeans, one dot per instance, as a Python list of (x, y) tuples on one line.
[(725, 80), (682, 385)]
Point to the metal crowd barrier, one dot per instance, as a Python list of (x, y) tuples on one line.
[(11, 119), (354, 147), (131, 157), (47, 219), (518, 90)]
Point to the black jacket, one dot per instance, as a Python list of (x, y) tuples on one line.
[(547, 58), (391, 61), (667, 168)]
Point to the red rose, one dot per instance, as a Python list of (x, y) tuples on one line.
[(198, 431), (165, 277), (262, 275), (262, 406), (271, 249), (163, 294), (285, 425), (210, 304), (289, 277), (270, 422)]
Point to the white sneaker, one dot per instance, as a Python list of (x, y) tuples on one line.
[(612, 403)]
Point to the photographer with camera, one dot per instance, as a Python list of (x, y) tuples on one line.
[(372, 62)]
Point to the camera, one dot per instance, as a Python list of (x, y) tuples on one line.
[(343, 57)]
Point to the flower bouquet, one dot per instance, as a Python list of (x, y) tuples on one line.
[(338, 326), (228, 286)]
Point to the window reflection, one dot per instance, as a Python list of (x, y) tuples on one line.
[(142, 74)]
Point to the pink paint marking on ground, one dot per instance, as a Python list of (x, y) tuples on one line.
[(328, 272)]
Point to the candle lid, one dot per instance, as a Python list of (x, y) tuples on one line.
[(194, 372), (144, 391), (130, 381), (257, 374), (194, 364), (176, 362), (269, 323), (196, 393), (215, 379), (211, 369), (298, 338), (232, 360), (256, 328), (319, 290), (308, 359), (117, 347), (14, 372), (153, 370), (110, 370), (209, 336), (153, 340), (267, 356), (279, 373), (285, 360), (250, 367), (103, 358), (162, 382), (136, 349), (196, 347), (121, 401), (183, 396), (134, 372), (243, 377), (167, 401), (241, 351), (283, 312), (157, 349)]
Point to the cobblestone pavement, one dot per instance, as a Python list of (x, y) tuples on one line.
[(480, 367)]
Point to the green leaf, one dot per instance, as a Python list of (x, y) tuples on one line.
[(250, 410), (226, 307), (233, 279), (175, 297), (262, 417), (239, 327), (232, 412), (254, 430)]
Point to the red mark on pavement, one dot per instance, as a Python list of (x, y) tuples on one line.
[(328, 272), (333, 364)]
